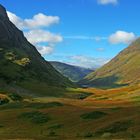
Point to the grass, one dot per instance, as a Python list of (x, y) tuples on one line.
[(1, 126), (15, 97), (33, 105), (116, 127), (12, 106), (88, 135), (44, 105), (60, 118), (35, 117), (55, 126), (3, 99), (93, 115)]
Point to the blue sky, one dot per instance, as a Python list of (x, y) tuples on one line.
[(82, 32)]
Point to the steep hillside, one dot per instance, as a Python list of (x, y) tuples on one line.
[(74, 73), (124, 69), (20, 62)]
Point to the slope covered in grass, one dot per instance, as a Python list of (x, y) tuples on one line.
[(122, 70), (20, 62), (74, 73)]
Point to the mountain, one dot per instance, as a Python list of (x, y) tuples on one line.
[(74, 73), (20, 62), (122, 70)]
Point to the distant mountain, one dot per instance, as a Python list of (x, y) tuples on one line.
[(74, 73), (20, 62), (124, 69)]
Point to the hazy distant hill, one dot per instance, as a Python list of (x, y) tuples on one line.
[(20, 62), (74, 73), (124, 69)]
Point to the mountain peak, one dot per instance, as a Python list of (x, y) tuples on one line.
[(3, 12)]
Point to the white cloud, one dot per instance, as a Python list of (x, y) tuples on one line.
[(34, 34), (122, 37), (38, 37), (42, 36), (44, 50), (16, 20), (80, 37), (39, 20), (105, 2), (89, 62)]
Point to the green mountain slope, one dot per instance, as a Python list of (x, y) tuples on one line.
[(20, 62), (124, 69), (74, 73)]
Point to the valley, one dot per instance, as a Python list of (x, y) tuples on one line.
[(104, 115), (51, 100)]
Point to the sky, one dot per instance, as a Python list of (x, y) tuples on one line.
[(86, 33)]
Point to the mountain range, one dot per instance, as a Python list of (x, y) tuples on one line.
[(74, 73)]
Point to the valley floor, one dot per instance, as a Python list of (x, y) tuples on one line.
[(104, 115)]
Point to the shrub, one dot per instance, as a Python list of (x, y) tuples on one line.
[(1, 125), (15, 97), (56, 126), (44, 105), (52, 133), (35, 117), (88, 135), (116, 127), (93, 115), (3, 101)]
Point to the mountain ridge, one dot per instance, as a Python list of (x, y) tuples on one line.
[(20, 61), (120, 71), (74, 73)]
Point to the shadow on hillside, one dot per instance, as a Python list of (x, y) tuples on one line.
[(106, 82)]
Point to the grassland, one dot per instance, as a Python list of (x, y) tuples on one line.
[(103, 115)]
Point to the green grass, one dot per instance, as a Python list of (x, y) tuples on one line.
[(1, 126), (34, 105), (136, 98), (93, 115), (88, 135), (35, 117), (44, 105), (15, 97), (120, 71), (62, 118), (55, 126), (12, 106), (116, 127), (4, 101)]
